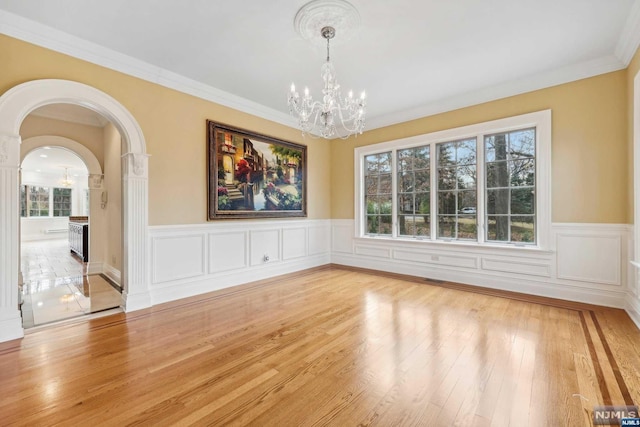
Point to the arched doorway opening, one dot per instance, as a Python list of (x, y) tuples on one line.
[(15, 105), (63, 235)]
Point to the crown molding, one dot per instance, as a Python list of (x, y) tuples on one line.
[(33, 32), (42, 35), (515, 87), (630, 36)]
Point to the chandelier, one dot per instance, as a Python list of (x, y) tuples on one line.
[(333, 116), (65, 181)]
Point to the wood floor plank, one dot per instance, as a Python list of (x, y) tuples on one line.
[(328, 346)]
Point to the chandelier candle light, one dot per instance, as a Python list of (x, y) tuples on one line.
[(334, 116)]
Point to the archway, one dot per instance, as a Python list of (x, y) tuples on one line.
[(95, 179), (15, 105)]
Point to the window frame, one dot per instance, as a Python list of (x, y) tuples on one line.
[(50, 201), (540, 120)]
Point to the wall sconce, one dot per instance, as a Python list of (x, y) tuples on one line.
[(103, 200)]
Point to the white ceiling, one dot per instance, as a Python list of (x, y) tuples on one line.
[(54, 163), (413, 57)]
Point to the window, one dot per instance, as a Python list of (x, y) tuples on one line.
[(457, 198), (414, 195), (510, 200), (61, 201), (378, 193), (39, 201), (486, 184)]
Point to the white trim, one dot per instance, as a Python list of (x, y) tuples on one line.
[(629, 36), (632, 307), (533, 272), (113, 274), (201, 246), (541, 120), (15, 105), (33, 32)]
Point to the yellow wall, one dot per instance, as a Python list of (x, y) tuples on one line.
[(113, 187), (589, 151), (174, 128), (89, 136)]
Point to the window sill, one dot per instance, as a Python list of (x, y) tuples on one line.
[(442, 244)]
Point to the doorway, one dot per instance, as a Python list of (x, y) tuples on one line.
[(54, 236), (15, 106)]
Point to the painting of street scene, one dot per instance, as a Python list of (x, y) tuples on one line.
[(254, 176)]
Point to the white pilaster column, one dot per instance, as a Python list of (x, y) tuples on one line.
[(10, 319), (135, 221)]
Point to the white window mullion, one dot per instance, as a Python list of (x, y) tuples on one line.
[(433, 180), (481, 214), (395, 224)]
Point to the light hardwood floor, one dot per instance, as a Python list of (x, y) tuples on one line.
[(328, 346)]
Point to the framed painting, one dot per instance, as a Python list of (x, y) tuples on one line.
[(253, 175)]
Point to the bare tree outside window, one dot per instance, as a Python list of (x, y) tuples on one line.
[(457, 193), (510, 181), (378, 193)]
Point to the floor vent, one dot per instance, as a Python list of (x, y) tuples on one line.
[(429, 279)]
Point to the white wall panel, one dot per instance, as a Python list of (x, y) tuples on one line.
[(319, 239), (178, 257), (436, 258), (516, 265), (589, 258), (264, 243), (227, 251), (294, 243), (373, 251), (189, 260), (342, 236), (583, 264)]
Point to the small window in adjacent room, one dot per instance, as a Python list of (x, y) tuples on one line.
[(61, 202), (38, 200)]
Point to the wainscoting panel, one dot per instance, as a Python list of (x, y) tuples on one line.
[(516, 265), (227, 251), (585, 263), (178, 257), (265, 246), (187, 260), (598, 260), (294, 243), (319, 239)]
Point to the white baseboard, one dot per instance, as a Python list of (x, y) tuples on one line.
[(475, 278), (11, 328), (95, 267), (188, 288), (112, 273), (632, 308)]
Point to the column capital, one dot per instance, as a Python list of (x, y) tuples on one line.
[(135, 165), (96, 181), (10, 150)]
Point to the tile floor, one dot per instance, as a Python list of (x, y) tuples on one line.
[(56, 286)]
